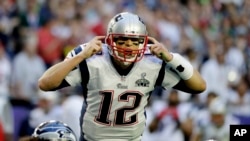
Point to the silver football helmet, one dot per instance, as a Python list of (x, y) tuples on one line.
[(54, 131), (126, 26)]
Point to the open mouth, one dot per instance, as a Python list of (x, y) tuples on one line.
[(128, 53), (129, 56)]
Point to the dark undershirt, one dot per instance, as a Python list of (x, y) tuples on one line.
[(122, 72)]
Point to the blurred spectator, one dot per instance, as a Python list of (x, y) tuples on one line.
[(27, 68), (239, 100), (8, 21), (233, 55), (49, 45), (193, 56), (167, 121), (201, 113), (78, 25), (217, 127), (29, 17), (192, 28), (168, 28), (46, 109), (47, 11), (214, 71)]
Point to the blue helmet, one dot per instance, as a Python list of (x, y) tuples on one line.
[(54, 130)]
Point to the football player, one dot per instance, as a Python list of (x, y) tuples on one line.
[(117, 78)]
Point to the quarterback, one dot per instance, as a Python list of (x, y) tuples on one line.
[(117, 77)]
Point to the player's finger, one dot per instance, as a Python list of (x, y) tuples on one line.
[(100, 38), (99, 43), (153, 40), (157, 51), (152, 47), (96, 49)]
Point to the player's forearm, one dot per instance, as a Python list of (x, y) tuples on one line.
[(193, 85), (196, 82), (53, 77), (192, 79)]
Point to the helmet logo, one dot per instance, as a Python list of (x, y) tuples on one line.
[(63, 133), (118, 18), (141, 20)]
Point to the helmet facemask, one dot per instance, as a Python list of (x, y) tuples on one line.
[(127, 54), (124, 27)]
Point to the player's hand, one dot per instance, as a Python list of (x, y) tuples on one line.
[(93, 46), (159, 50)]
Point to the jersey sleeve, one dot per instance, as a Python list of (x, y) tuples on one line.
[(170, 78), (74, 77)]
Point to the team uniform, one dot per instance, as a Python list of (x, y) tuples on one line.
[(114, 106)]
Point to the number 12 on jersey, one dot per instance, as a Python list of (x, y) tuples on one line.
[(120, 114)]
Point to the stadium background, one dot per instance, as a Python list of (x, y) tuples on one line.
[(35, 34)]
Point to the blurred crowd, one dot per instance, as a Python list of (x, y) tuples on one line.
[(212, 34)]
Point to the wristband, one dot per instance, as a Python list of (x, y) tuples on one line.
[(181, 66)]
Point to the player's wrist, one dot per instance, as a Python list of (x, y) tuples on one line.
[(82, 56), (168, 57), (179, 64)]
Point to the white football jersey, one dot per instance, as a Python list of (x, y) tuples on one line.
[(116, 104)]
